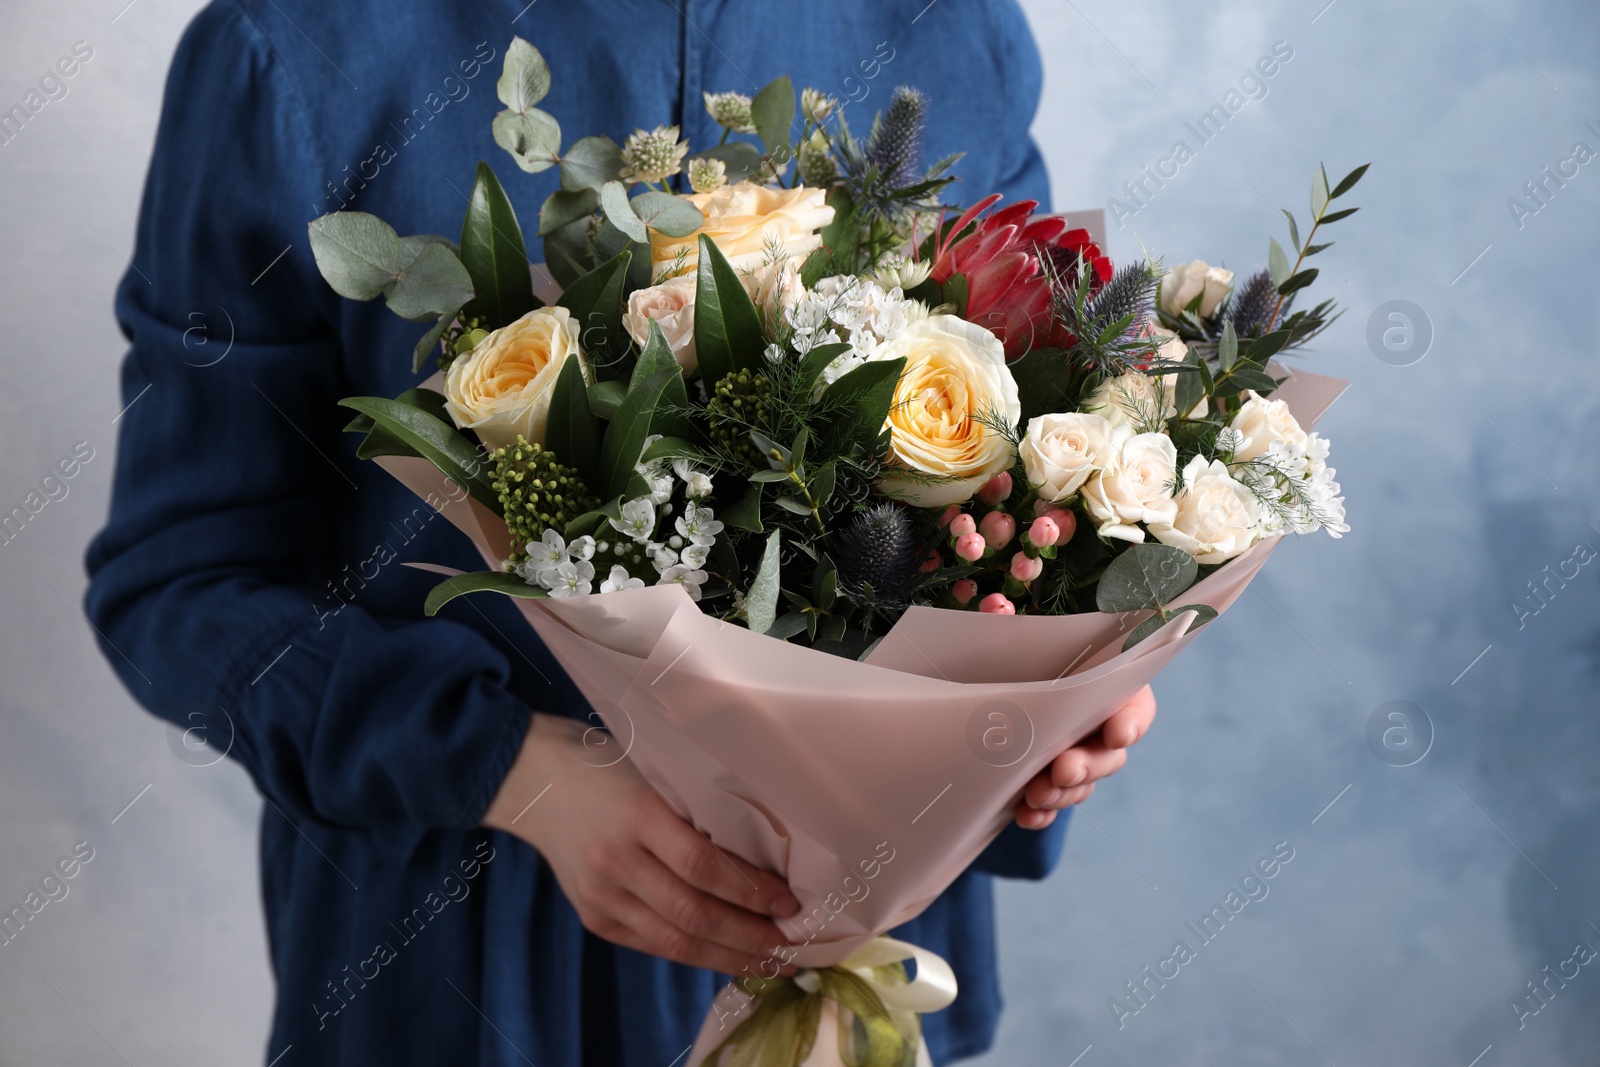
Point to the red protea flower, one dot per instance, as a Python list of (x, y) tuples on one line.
[(1009, 260)]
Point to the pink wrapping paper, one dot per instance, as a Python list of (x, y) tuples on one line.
[(869, 786)]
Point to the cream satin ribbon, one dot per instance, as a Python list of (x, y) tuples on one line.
[(933, 988)]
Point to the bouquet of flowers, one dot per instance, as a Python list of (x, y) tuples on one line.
[(809, 479)]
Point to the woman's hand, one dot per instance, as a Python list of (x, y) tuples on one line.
[(1071, 776), (636, 872)]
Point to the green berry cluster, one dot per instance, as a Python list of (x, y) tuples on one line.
[(461, 337), (536, 492), (740, 402)]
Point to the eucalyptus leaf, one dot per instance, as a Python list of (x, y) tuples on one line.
[(1145, 576), (761, 601), (1319, 193), (433, 284), (1298, 281), (1348, 182), (1204, 613), (533, 139), (479, 582), (1335, 216), (614, 202), (565, 206), (358, 254), (666, 213), (1277, 262), (590, 163), (1294, 229), (525, 78), (794, 504), (1227, 346)]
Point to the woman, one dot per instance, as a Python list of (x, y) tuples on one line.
[(253, 567)]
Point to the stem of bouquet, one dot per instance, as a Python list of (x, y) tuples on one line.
[(1299, 259)]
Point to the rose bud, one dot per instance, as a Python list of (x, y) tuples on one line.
[(970, 546), (949, 513), (1066, 523), (962, 524), (998, 528), (996, 489), (932, 563), (997, 604), (1044, 532), (964, 591), (1025, 568)]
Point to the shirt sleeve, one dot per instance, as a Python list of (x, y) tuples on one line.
[(232, 486)]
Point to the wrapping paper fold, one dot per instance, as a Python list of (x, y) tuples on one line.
[(869, 786)]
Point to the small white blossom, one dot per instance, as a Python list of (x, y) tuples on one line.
[(699, 524), (638, 519), (697, 483), (652, 155), (620, 579), (707, 175), (695, 556), (546, 553), (663, 558), (582, 548), (688, 577), (569, 579), (731, 110)]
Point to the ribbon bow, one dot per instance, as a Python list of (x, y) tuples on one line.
[(879, 1010)]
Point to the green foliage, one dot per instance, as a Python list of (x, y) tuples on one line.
[(494, 255), (533, 137), (572, 432), (537, 492), (761, 601), (479, 582), (595, 301), (739, 402), (432, 438), (362, 257), (1145, 576), (727, 327)]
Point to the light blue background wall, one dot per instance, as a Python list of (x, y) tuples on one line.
[(1415, 907)]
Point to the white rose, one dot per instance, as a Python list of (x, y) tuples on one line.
[(1261, 422), (1060, 451), (1217, 517), (1187, 280), (501, 389), (1135, 399), (955, 385), (1136, 488), (671, 305), (775, 288)]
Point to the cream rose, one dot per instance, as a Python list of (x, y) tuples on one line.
[(1060, 451), (1136, 488), (1260, 422), (955, 386), (1184, 282), (671, 305), (1217, 518), (502, 387), (744, 221), (774, 287), (1135, 399)]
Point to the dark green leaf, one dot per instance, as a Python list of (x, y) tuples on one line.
[(589, 164), (1145, 576), (571, 432), (955, 292), (745, 513), (761, 601), (763, 477), (1298, 281), (789, 503), (428, 343), (624, 438), (595, 300), (1335, 216), (787, 625), (1266, 346), (568, 252), (672, 413), (565, 206), (857, 403), (1190, 389), (606, 397), (816, 360), (1312, 250), (379, 441), (1248, 378), (727, 328), (479, 582), (773, 111), (1348, 182), (433, 439), (666, 213), (821, 487), (1044, 377), (669, 448), (494, 255)]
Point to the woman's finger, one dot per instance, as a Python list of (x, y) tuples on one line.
[(693, 858)]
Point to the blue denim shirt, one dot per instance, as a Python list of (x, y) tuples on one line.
[(250, 579)]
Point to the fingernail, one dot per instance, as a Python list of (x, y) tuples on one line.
[(1083, 772), (784, 905)]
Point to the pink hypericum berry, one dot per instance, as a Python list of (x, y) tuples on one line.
[(1025, 568), (964, 591), (962, 524), (932, 563), (1066, 523), (969, 546), (997, 604), (1044, 532), (949, 513), (998, 528), (996, 489)]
